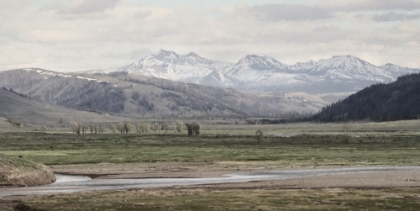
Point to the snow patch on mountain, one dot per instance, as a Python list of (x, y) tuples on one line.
[(170, 65), (259, 72)]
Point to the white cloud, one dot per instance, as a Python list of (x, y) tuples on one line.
[(394, 16), (83, 34), (284, 12), (371, 5)]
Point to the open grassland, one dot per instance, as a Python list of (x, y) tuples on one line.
[(238, 150), (223, 148), (233, 199)]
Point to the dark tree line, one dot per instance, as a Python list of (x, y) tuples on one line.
[(398, 100)]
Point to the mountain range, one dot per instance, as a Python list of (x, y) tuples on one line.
[(337, 74), (169, 85)]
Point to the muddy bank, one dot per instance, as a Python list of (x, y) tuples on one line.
[(15, 171)]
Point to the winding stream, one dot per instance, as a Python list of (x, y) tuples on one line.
[(72, 184)]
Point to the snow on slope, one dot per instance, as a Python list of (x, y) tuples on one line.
[(170, 65), (260, 71), (349, 67), (254, 71), (397, 70)]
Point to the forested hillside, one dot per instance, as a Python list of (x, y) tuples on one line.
[(381, 102)]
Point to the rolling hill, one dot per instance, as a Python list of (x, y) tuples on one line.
[(122, 93), (16, 110)]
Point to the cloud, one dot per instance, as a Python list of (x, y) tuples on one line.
[(370, 5), (93, 6), (79, 34), (393, 16), (283, 12)]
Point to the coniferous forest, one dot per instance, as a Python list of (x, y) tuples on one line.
[(399, 100)]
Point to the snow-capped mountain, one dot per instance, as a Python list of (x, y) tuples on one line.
[(349, 67), (396, 70), (170, 65), (339, 73), (261, 71)]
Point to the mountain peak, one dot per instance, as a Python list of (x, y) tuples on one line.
[(259, 63), (345, 61), (344, 56), (389, 65), (192, 54), (165, 53)]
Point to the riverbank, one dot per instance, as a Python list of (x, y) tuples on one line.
[(16, 171)]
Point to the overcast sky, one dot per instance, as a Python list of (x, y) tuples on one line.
[(72, 35)]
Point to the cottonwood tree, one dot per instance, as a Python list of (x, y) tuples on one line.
[(127, 127), (193, 128), (73, 126), (178, 126), (120, 127), (101, 130), (113, 128), (79, 128), (155, 127), (142, 127), (164, 126)]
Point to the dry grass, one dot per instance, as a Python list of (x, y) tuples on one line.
[(236, 199), (21, 172)]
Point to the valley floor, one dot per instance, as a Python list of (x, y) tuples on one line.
[(226, 149)]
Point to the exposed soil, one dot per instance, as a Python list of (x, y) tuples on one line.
[(149, 170)]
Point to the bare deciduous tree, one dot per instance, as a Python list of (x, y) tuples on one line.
[(101, 130), (155, 126), (120, 127), (79, 127), (84, 129), (164, 126), (127, 127), (142, 127), (113, 128), (179, 126), (73, 126), (193, 128)]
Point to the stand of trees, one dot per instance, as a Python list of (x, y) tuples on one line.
[(140, 127)]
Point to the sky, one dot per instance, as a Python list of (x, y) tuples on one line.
[(75, 35)]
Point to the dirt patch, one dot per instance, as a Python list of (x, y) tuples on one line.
[(24, 207), (147, 170)]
